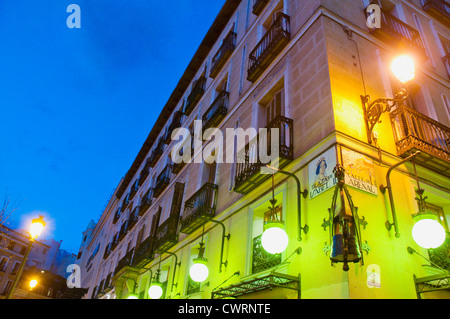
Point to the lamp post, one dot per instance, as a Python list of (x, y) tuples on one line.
[(37, 226), (404, 69)]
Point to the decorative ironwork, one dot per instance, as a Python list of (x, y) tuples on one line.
[(143, 253), (270, 281), (146, 201), (199, 208), (198, 88), (439, 9), (431, 283), (222, 55), (162, 181), (126, 260), (397, 33), (192, 286), (373, 110), (258, 6), (248, 166), (414, 131), (261, 259), (271, 44), (133, 218), (133, 190), (156, 153), (166, 235), (217, 111), (177, 121)]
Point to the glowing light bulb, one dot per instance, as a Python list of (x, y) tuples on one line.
[(37, 226), (403, 68), (199, 270), (274, 240), (428, 233), (155, 291), (33, 283), (132, 297)]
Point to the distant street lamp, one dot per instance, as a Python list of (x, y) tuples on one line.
[(36, 228)]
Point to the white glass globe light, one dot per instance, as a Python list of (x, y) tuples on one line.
[(428, 233), (274, 240), (132, 297), (155, 291), (199, 271)]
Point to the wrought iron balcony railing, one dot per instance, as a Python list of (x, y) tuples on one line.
[(198, 88), (117, 215), (123, 231), (262, 260), (177, 121), (166, 235), (156, 153), (248, 164), (222, 55), (125, 261), (146, 201), (125, 202), (199, 208), (258, 6), (398, 34), (143, 253), (440, 9), (133, 218), (414, 131), (162, 181), (217, 111), (267, 49), (144, 173), (133, 190)]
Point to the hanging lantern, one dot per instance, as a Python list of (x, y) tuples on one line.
[(155, 291), (199, 270), (274, 239), (344, 224), (427, 232)]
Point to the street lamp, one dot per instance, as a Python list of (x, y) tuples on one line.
[(36, 228), (403, 67), (199, 270), (33, 283)]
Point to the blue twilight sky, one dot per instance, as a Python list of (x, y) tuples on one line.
[(77, 104)]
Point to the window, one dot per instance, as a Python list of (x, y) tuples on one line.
[(15, 268), (259, 259), (7, 287), (3, 264)]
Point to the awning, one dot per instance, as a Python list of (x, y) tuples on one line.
[(270, 281)]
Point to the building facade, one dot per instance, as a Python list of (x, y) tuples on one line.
[(310, 69)]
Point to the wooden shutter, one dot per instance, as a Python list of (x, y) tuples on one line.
[(155, 222), (177, 200)]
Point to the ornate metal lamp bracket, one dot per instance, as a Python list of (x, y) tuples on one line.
[(374, 109)]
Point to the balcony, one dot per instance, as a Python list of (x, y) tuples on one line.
[(268, 48), (123, 231), (166, 234), (261, 259), (162, 181), (134, 217), (146, 201), (248, 166), (199, 208), (198, 88), (414, 131), (143, 253), (217, 111), (156, 153), (133, 190), (177, 122), (117, 215), (440, 9), (125, 261), (258, 6), (399, 34), (222, 55), (144, 174), (125, 202)]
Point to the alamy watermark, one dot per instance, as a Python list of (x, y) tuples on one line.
[(373, 16)]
